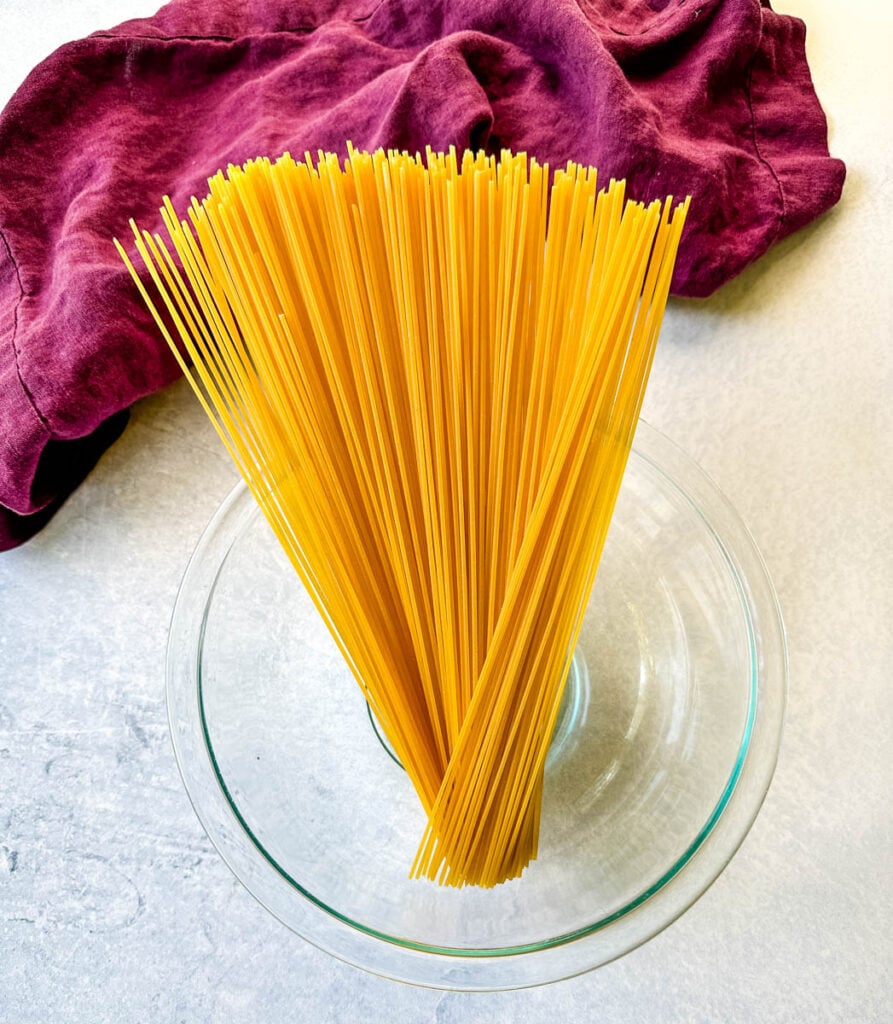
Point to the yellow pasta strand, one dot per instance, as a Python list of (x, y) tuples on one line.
[(429, 372)]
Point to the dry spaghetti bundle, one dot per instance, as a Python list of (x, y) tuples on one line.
[(429, 372)]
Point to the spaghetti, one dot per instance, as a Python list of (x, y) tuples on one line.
[(429, 372)]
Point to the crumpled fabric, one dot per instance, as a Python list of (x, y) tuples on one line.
[(711, 98)]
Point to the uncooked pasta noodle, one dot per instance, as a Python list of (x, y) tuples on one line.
[(429, 371)]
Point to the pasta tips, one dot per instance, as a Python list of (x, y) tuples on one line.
[(429, 371)]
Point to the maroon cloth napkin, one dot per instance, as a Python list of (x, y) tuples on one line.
[(707, 97)]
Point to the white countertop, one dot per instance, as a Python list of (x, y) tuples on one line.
[(114, 906)]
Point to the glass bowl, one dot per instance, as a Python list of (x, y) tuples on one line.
[(663, 752)]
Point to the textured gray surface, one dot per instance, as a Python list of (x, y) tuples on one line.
[(113, 904)]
